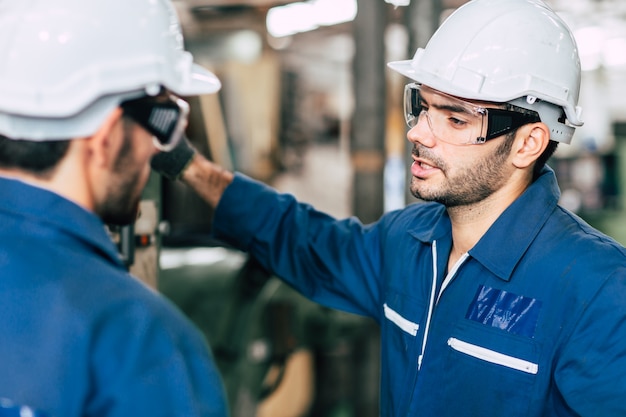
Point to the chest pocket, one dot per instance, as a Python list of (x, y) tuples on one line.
[(403, 323), (403, 320), (401, 334), (491, 369)]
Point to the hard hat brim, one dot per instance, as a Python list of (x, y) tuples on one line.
[(201, 81)]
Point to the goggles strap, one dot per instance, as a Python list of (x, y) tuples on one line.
[(502, 121)]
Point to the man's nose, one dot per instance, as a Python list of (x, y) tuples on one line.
[(421, 132)]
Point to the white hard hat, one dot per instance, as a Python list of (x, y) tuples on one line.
[(517, 51), (66, 64)]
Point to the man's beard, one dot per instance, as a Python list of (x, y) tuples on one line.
[(470, 184), (121, 206)]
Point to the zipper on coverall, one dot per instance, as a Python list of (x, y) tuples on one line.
[(433, 291)]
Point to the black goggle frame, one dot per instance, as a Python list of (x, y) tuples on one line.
[(164, 116), (499, 121)]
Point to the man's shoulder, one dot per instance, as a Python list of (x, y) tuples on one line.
[(568, 242)]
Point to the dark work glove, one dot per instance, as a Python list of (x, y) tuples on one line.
[(172, 164)]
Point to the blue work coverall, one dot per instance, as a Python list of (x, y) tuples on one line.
[(531, 322), (81, 337)]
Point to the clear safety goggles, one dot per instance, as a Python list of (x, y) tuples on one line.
[(460, 122), (164, 116)]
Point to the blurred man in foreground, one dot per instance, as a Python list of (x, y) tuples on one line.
[(86, 100)]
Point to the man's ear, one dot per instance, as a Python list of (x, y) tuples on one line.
[(100, 146), (530, 142)]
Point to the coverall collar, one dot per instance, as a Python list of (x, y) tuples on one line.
[(503, 245), (27, 201)]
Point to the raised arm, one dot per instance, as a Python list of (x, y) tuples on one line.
[(184, 163)]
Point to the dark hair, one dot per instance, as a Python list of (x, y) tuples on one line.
[(543, 158), (39, 158)]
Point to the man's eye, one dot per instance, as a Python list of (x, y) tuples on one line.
[(457, 122)]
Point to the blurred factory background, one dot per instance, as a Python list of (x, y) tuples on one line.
[(309, 107)]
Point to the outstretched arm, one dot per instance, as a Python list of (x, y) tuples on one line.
[(184, 163), (207, 179), (334, 262)]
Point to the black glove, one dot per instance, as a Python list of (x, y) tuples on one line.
[(172, 164)]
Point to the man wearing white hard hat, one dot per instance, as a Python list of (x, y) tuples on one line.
[(492, 299), (88, 95)]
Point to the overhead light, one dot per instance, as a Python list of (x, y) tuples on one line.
[(614, 53), (590, 41), (302, 17), (399, 2), (245, 45), (598, 48)]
